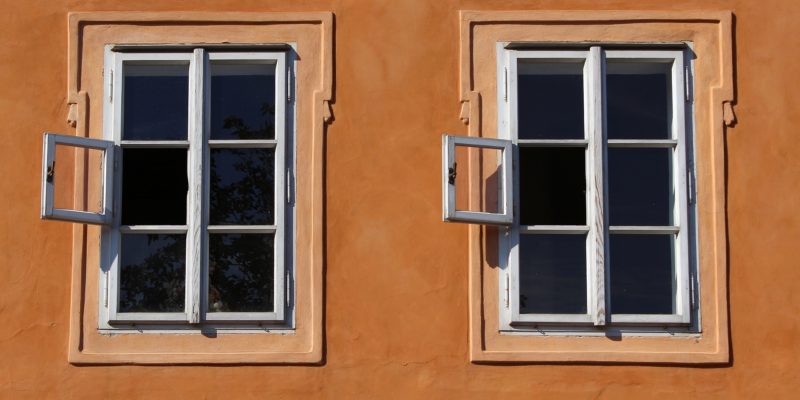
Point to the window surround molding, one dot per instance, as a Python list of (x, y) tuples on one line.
[(709, 35), (310, 34)]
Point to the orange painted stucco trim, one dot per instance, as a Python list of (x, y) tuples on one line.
[(305, 345), (711, 32)]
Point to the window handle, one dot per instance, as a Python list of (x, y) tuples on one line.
[(51, 171), (451, 174)]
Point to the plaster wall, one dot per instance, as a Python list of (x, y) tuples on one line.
[(396, 291)]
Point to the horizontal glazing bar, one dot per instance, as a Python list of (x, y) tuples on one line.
[(180, 144), (644, 230), (553, 229), (190, 47), (530, 319), (552, 142), (648, 319), (153, 228), (642, 143), (221, 144), (242, 228)]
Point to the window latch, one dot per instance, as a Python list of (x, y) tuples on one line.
[(51, 172), (451, 174)]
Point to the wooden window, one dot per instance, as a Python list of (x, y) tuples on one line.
[(600, 236), (198, 223)]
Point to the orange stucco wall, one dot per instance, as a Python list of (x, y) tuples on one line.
[(396, 315)]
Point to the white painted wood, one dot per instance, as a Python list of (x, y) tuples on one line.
[(239, 144), (505, 206), (158, 229), (643, 230), (553, 229), (595, 212), (195, 248), (552, 142), (667, 143), (243, 228), (160, 144), (48, 209)]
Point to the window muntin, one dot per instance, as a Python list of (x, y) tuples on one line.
[(620, 200), (204, 210)]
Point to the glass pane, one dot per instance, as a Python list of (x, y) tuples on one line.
[(640, 186), (550, 96), (242, 186), (155, 102), (242, 101), (642, 275), (154, 186), (639, 100), (552, 274), (552, 182), (152, 273), (241, 271)]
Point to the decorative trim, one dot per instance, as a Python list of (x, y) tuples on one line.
[(487, 344), (310, 352)]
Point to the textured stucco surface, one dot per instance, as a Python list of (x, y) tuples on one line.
[(396, 284)]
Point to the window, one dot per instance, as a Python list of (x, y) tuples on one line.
[(600, 237), (200, 229), (602, 234)]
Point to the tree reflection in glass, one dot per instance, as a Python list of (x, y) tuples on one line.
[(242, 186), (242, 101), (241, 273), (152, 273)]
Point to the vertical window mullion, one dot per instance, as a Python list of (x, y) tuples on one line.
[(194, 218), (595, 204), (280, 191), (680, 207)]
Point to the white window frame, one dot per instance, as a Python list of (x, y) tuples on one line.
[(197, 228), (48, 209), (504, 216), (597, 228)]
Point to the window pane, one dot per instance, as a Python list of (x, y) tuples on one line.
[(242, 186), (241, 273), (242, 101), (642, 275), (155, 102), (639, 98), (552, 271), (154, 186), (552, 183), (550, 99), (152, 273), (640, 186)]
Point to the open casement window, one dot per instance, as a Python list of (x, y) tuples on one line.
[(51, 210), (502, 179), (199, 230), (602, 235)]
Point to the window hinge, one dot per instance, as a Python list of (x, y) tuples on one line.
[(111, 86), (289, 85), (288, 186), (686, 87), (692, 289), (508, 291), (690, 189), (108, 289), (505, 84), (287, 293)]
